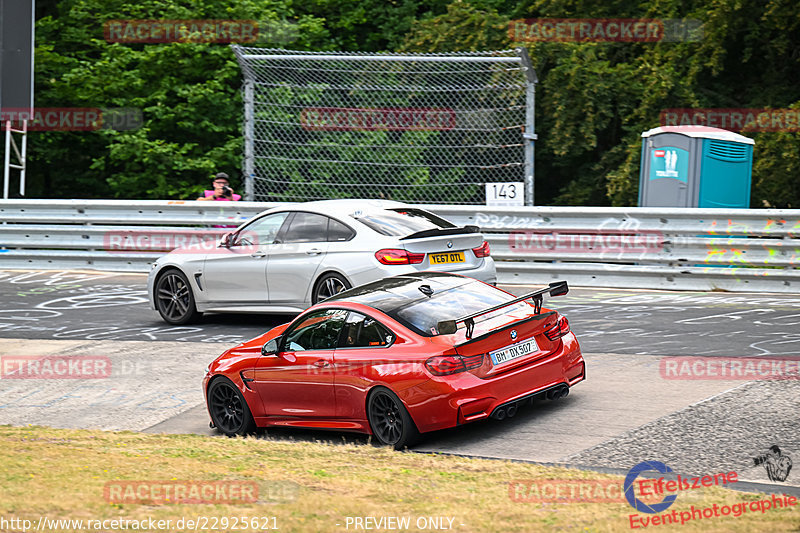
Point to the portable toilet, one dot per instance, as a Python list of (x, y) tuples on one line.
[(695, 166)]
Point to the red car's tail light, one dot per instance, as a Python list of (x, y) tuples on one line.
[(473, 361), (559, 330), (482, 250), (444, 365), (393, 256)]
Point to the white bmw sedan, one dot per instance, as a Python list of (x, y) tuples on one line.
[(290, 257)]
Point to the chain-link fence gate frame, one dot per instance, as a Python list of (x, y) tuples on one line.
[(419, 128)]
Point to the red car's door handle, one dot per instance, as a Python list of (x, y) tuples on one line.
[(322, 363)]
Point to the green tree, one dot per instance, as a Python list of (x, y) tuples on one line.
[(463, 28), (188, 92), (594, 105), (593, 99)]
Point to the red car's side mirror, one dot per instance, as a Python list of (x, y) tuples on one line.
[(270, 347)]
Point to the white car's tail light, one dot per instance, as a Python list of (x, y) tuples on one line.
[(482, 250), (394, 256)]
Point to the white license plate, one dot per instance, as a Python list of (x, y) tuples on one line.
[(514, 351)]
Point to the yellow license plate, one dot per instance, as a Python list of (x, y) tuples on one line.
[(449, 257)]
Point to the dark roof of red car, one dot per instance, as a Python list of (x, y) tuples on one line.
[(389, 294)]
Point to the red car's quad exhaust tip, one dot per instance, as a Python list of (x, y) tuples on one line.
[(508, 410), (558, 392)]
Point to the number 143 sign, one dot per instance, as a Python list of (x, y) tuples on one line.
[(504, 194)]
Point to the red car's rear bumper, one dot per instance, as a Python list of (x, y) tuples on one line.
[(445, 402)]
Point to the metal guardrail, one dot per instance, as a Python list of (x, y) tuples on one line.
[(685, 249), (79, 234)]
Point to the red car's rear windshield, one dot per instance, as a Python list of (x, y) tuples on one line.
[(399, 222), (423, 315)]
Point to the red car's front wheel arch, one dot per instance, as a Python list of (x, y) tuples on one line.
[(228, 408), (389, 421)]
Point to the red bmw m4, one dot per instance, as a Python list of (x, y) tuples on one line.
[(398, 357)]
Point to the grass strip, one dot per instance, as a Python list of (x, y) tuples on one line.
[(310, 487)]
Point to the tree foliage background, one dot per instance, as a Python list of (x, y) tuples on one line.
[(593, 101)]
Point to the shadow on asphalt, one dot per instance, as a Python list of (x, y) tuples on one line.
[(265, 321), (484, 430), (466, 434)]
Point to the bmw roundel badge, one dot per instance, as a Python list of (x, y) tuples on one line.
[(513, 334), (449, 244)]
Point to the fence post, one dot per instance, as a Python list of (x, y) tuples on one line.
[(249, 129), (529, 134)]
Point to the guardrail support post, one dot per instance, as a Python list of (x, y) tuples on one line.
[(11, 144)]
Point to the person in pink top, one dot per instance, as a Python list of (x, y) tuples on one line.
[(222, 191)]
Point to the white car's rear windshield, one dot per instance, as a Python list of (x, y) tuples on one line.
[(400, 222)]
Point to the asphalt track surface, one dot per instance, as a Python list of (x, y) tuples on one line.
[(625, 412)]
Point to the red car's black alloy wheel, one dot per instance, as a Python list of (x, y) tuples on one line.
[(389, 420), (227, 408)]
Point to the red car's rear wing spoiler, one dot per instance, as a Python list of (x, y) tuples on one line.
[(448, 327)]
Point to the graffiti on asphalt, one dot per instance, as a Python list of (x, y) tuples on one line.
[(48, 278), (605, 320), (54, 305)]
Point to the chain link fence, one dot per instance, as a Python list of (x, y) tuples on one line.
[(410, 127)]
